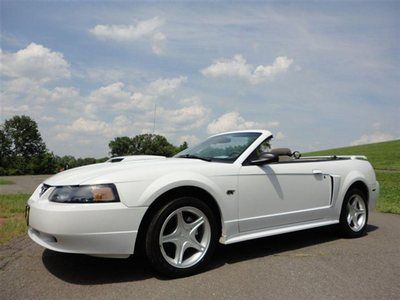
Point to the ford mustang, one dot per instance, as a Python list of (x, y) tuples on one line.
[(230, 188)]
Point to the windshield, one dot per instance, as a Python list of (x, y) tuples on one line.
[(223, 148)]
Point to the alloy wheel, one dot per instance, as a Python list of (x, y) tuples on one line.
[(185, 237), (357, 213)]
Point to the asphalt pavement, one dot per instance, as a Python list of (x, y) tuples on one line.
[(312, 264), (22, 184)]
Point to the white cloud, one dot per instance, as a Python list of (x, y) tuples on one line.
[(166, 85), (192, 140), (187, 117), (87, 125), (137, 100), (35, 62), (13, 110), (106, 96), (62, 136), (33, 93), (48, 119), (22, 95), (279, 136), (125, 33), (64, 94), (229, 67), (110, 94), (107, 75), (280, 64), (158, 43), (272, 124), (120, 125), (231, 121), (89, 117), (143, 100), (238, 67), (190, 101), (374, 137)]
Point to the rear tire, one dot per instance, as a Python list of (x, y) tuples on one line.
[(354, 214), (181, 237)]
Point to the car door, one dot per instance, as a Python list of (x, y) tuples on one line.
[(283, 193)]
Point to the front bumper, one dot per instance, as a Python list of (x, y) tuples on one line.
[(101, 229)]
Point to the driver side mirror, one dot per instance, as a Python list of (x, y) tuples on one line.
[(265, 158)]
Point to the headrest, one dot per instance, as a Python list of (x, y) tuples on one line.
[(281, 151)]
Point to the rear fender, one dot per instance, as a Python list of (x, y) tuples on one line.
[(350, 179)]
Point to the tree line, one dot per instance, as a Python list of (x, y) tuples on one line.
[(23, 150)]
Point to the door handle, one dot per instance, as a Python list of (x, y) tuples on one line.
[(317, 172)]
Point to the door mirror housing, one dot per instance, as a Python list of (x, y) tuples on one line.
[(265, 158)]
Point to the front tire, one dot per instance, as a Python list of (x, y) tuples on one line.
[(181, 237), (354, 214)]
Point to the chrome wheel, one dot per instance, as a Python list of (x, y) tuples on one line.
[(357, 213), (185, 237)]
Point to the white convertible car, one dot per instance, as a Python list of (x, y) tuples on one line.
[(230, 188)]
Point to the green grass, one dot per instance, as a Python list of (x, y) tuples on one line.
[(12, 221), (6, 181), (389, 198), (385, 158)]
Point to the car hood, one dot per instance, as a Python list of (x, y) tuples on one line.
[(132, 169)]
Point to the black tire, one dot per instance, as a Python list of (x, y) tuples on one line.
[(349, 230), (152, 241)]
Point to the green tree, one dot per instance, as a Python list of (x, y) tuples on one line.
[(25, 137), (120, 146), (182, 147), (102, 159), (45, 164), (23, 146), (5, 152), (86, 161), (152, 144), (144, 144), (66, 162)]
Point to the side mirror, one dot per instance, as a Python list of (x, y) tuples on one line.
[(265, 158)]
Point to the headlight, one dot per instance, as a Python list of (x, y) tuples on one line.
[(98, 193)]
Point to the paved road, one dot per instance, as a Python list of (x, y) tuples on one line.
[(22, 184), (313, 264)]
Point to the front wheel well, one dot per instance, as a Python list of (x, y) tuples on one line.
[(187, 191)]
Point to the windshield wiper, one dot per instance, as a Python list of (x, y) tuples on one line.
[(195, 157)]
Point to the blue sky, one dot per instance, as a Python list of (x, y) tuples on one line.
[(316, 74)]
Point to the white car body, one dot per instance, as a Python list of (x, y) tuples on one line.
[(253, 201)]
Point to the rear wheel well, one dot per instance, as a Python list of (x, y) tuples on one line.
[(183, 191), (362, 187)]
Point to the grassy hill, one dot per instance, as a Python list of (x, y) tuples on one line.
[(385, 157)]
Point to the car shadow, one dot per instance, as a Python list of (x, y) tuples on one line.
[(87, 270)]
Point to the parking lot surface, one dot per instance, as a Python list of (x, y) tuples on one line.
[(312, 264)]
